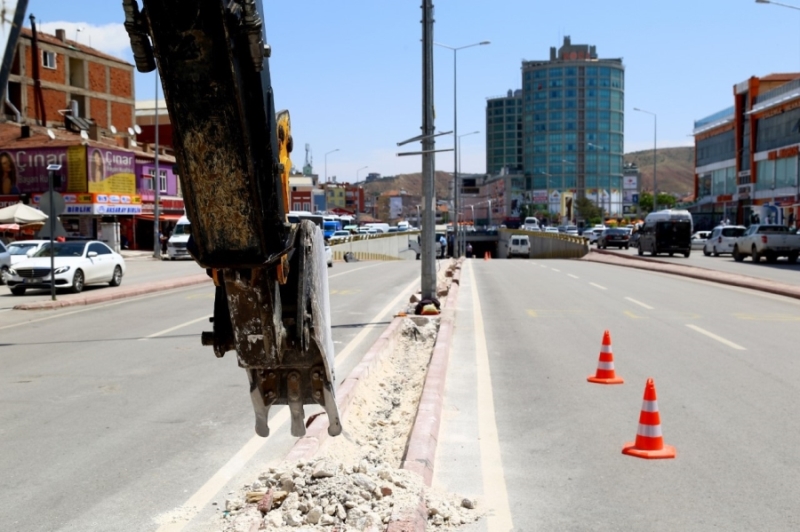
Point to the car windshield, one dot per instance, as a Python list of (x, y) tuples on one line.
[(62, 249), (616, 232), (733, 231), (182, 229), (20, 249)]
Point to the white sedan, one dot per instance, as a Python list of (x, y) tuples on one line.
[(77, 264), (16, 252)]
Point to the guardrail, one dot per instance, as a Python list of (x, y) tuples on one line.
[(546, 245), (382, 246)]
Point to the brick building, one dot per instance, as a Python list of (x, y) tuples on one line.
[(102, 85)]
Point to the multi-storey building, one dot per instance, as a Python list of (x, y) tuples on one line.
[(746, 166), (504, 133), (100, 84), (573, 137)]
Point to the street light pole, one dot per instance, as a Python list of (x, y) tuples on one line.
[(357, 171), (655, 144), (458, 174), (455, 133), (156, 189), (777, 4), (326, 163), (51, 174)]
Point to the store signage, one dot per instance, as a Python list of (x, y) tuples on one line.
[(744, 173), (6, 201), (784, 153), (780, 110), (99, 204), (724, 197), (744, 192)]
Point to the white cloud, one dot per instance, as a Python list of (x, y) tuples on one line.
[(108, 38)]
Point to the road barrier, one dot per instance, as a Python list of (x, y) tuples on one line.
[(546, 245), (384, 246)]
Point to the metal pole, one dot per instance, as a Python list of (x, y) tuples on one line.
[(655, 144), (456, 152), (156, 190), (428, 261), (52, 235)]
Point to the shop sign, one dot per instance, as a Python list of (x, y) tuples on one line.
[(783, 201), (744, 192), (539, 196), (744, 173), (99, 204), (110, 171), (7, 201), (724, 198), (784, 153), (630, 182)]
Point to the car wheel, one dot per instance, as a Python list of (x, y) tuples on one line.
[(706, 252), (628, 246), (330, 265), (116, 277), (18, 290), (687, 253), (754, 254), (417, 256), (77, 282), (738, 257), (716, 253), (3, 275)]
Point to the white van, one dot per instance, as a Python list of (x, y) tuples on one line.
[(519, 246), (380, 227), (531, 224), (176, 245)]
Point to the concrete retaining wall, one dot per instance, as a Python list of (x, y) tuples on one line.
[(387, 246), (545, 245)]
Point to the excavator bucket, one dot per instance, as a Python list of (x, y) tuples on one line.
[(271, 302)]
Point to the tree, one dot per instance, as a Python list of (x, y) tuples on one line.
[(665, 201), (587, 209)]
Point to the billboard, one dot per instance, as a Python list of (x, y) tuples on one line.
[(630, 182), (540, 197), (110, 171), (395, 207)]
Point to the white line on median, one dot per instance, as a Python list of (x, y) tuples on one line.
[(353, 270), (182, 325), (715, 337), (494, 480), (573, 276), (181, 516), (598, 286), (648, 307)]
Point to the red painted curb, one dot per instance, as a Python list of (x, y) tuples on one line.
[(696, 272), (114, 293)]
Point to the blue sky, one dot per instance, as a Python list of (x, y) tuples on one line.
[(349, 71)]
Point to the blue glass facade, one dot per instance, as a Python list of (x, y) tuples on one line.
[(573, 122)]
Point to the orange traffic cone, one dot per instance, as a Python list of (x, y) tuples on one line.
[(605, 366), (649, 441), (486, 256)]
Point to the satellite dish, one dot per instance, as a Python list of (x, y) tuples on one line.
[(130, 131), (84, 135), (133, 143), (137, 129), (113, 130), (51, 134)]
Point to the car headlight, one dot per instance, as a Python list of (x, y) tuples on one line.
[(12, 271), (61, 269)]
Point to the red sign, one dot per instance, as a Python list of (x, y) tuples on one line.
[(6, 201), (783, 153)]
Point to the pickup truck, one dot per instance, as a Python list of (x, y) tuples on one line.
[(768, 241)]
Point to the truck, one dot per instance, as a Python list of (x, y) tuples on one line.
[(770, 241), (330, 226)]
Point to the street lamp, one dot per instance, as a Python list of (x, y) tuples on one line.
[(357, 171), (52, 177), (455, 125), (326, 163), (655, 136), (458, 173)]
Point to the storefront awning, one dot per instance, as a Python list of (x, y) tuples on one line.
[(161, 217)]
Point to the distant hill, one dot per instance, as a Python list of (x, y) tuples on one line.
[(674, 167)]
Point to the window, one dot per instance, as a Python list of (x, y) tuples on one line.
[(48, 59), (296, 206), (162, 180), (99, 248)]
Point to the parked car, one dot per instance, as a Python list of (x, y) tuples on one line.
[(592, 235), (519, 246), (699, 239), (179, 239), (551, 229), (16, 252), (329, 255), (614, 237), (77, 264), (571, 230), (339, 236), (722, 239), (768, 241)]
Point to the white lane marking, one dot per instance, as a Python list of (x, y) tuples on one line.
[(648, 307), (715, 337), (181, 516), (353, 270), (99, 307), (598, 286), (555, 270), (167, 331), (573, 276), (494, 481), (542, 266), (535, 263)]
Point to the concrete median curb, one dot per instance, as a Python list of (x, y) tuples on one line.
[(694, 272), (113, 294)]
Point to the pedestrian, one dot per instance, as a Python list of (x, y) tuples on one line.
[(163, 240), (469, 250), (443, 242)]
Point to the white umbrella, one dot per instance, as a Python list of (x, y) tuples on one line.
[(21, 214)]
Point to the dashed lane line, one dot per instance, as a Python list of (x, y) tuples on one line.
[(716, 337), (598, 286), (643, 305), (573, 276), (555, 270), (171, 329)]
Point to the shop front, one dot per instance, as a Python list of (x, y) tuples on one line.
[(171, 209), (84, 215)]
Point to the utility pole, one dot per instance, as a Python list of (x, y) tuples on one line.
[(428, 157), (156, 190)]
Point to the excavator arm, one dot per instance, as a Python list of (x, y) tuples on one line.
[(271, 303)]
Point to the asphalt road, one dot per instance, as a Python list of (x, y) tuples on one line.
[(780, 271), (137, 271), (727, 378), (104, 429)]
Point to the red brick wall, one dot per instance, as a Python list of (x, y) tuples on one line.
[(54, 101), (97, 77), (121, 116), (121, 82), (98, 111), (59, 75)]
